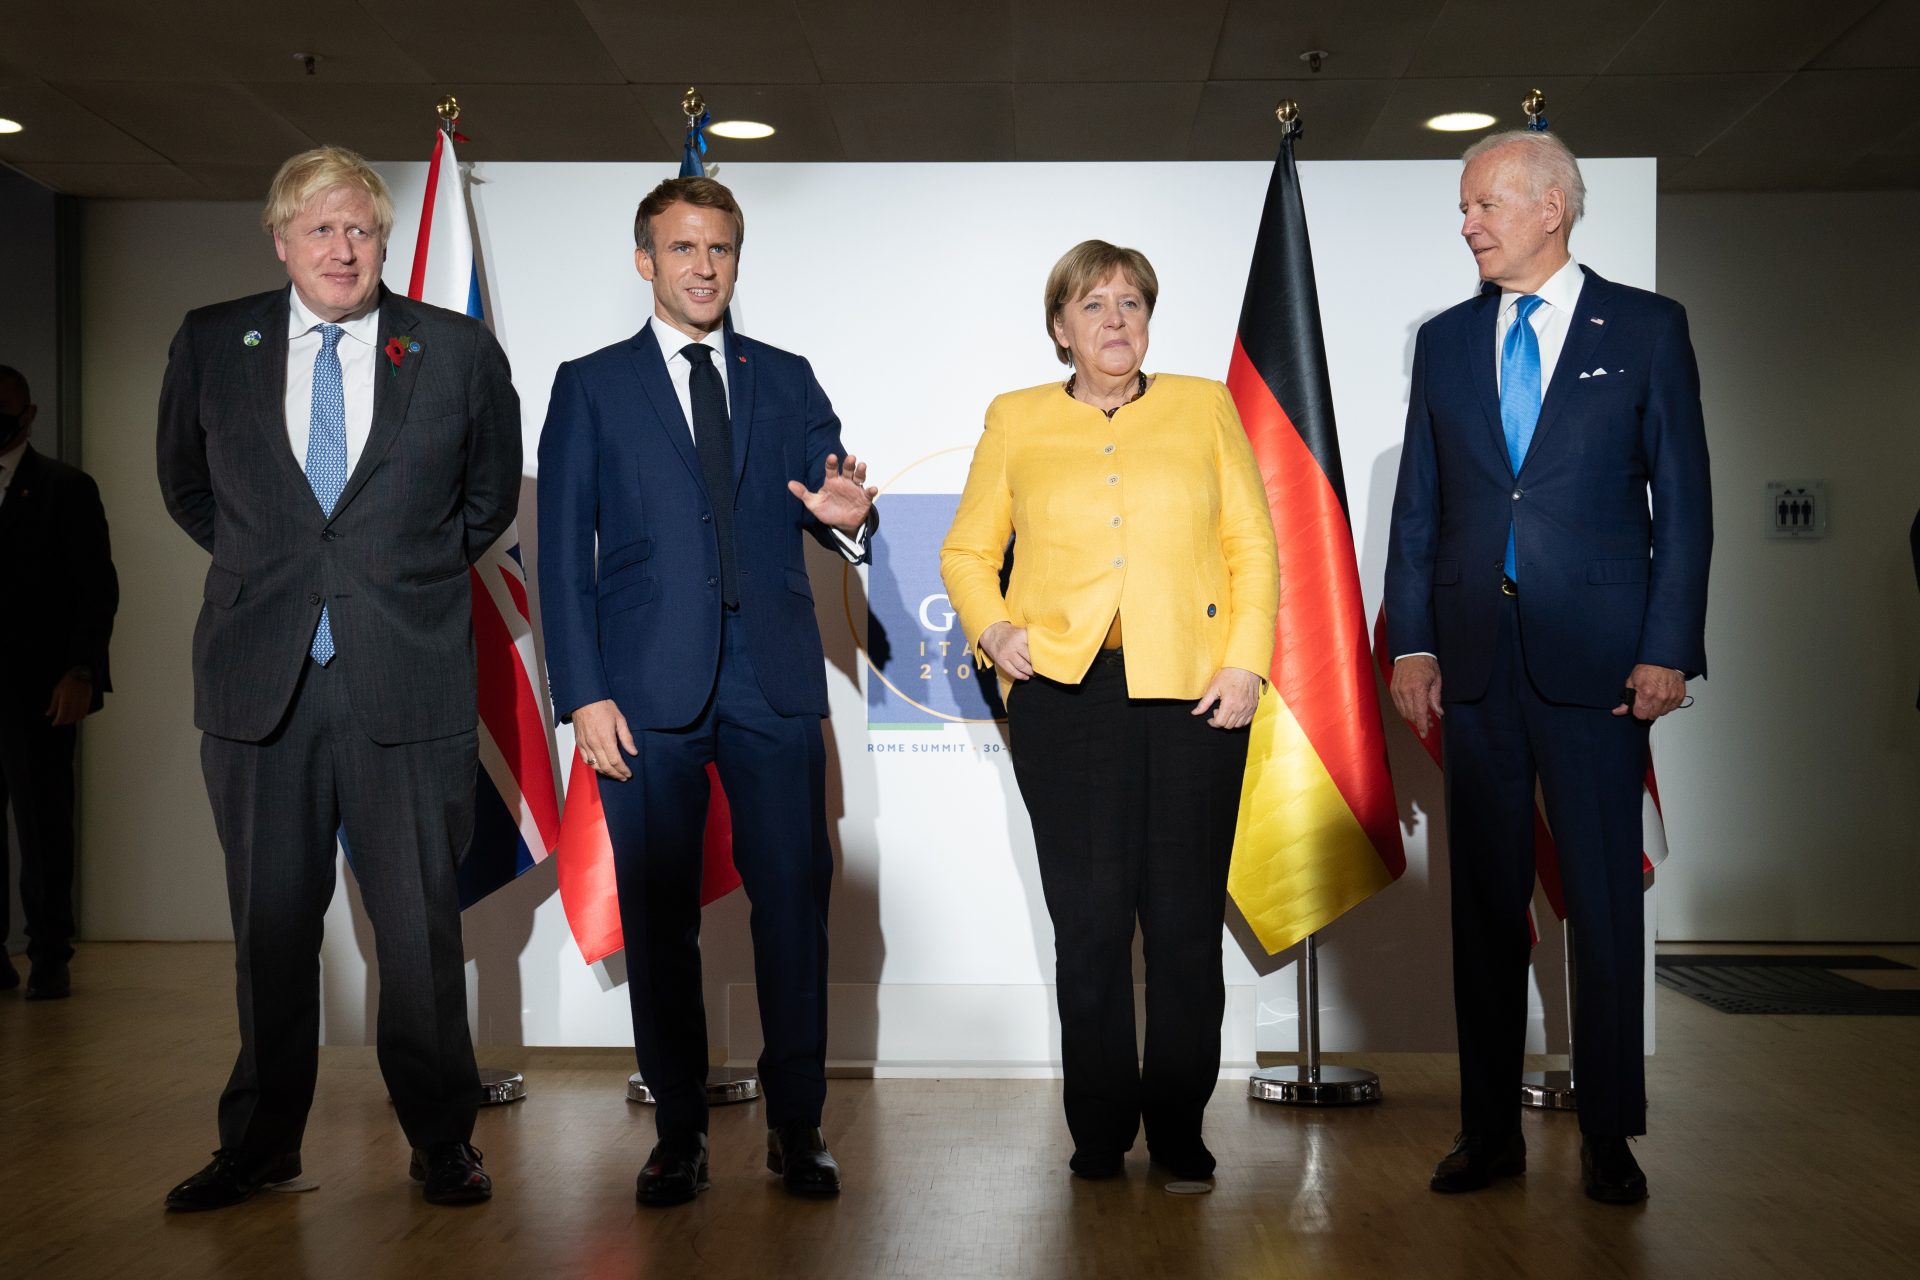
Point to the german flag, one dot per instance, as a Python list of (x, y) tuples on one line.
[(1319, 830)]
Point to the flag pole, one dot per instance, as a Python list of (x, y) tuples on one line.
[(1554, 1090), (724, 1084), (1312, 1083), (498, 1085)]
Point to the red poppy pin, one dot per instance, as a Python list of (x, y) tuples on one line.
[(398, 348)]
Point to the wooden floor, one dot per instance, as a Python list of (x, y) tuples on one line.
[(1780, 1147)]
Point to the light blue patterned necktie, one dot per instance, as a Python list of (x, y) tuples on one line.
[(1519, 396), (327, 453)]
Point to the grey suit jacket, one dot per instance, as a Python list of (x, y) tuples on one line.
[(437, 483)]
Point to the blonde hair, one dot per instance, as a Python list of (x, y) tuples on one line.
[(1086, 265), (312, 173)]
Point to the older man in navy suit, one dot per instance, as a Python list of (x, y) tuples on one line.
[(678, 469), (1551, 531)]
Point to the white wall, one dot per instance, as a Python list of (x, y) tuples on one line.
[(1792, 781), (153, 869)]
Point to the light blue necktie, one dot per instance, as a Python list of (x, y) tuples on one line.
[(327, 453), (1519, 396)]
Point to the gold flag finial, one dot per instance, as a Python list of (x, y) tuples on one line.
[(448, 109), (1534, 104), (692, 103)]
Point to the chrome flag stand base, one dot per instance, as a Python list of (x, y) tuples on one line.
[(499, 1085), (1310, 1084), (1548, 1090), (1553, 1090), (724, 1085)]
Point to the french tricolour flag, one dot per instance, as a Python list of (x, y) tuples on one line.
[(517, 803)]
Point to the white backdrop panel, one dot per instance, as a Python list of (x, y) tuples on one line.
[(915, 292)]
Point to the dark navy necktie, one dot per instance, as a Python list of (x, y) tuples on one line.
[(327, 454), (1519, 397), (713, 437)]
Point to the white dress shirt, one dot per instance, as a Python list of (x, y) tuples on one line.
[(680, 373), (10, 467), (1550, 320), (357, 349)]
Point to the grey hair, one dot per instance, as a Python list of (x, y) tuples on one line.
[(1549, 163)]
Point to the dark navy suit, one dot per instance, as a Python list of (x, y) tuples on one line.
[(1607, 580), (631, 595)]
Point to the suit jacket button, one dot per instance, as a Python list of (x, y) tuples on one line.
[(313, 597), (713, 582), (1517, 493), (328, 536), (706, 517)]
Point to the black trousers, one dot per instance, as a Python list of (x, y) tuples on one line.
[(774, 770), (407, 813), (1591, 766), (36, 775), (1133, 804)]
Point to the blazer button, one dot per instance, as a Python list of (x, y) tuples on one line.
[(1517, 493), (328, 536), (1113, 479), (713, 582), (1115, 522), (706, 517), (313, 597), (1108, 449)]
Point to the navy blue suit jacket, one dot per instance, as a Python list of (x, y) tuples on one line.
[(629, 560), (1608, 579)]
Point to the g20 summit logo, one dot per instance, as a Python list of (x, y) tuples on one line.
[(923, 673)]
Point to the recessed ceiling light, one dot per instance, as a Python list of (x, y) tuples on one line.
[(10, 126), (1460, 121), (741, 129)]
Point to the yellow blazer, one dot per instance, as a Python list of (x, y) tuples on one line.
[(1158, 513)]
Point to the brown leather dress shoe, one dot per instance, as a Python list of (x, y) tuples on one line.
[(1475, 1162), (451, 1173), (799, 1155), (231, 1178), (675, 1171), (1609, 1172)]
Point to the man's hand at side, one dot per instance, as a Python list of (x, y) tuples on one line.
[(1416, 690), (600, 734)]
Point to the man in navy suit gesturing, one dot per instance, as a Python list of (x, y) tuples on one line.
[(1551, 531), (678, 469)]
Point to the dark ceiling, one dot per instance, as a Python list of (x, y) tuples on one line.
[(200, 99)]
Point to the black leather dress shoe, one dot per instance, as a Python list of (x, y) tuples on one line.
[(49, 981), (1610, 1173), (1475, 1162), (675, 1171), (231, 1178), (799, 1155), (9, 976), (1095, 1165), (451, 1173), (1192, 1163)]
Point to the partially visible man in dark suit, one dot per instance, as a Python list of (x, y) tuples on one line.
[(1566, 612), (678, 469), (344, 454), (60, 593)]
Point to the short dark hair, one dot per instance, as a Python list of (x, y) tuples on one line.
[(704, 192), (9, 374)]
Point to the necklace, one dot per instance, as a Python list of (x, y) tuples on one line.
[(1139, 389)]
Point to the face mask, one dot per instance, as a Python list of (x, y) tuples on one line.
[(11, 425)]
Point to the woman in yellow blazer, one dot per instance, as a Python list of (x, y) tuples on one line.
[(1131, 647)]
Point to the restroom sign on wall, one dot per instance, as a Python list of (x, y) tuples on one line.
[(1796, 508)]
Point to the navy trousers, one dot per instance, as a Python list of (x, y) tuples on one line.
[(774, 770), (1591, 766)]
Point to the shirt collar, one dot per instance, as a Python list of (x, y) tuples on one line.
[(365, 327), (1561, 290), (671, 340)]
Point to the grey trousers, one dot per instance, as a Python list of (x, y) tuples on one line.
[(406, 812)]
